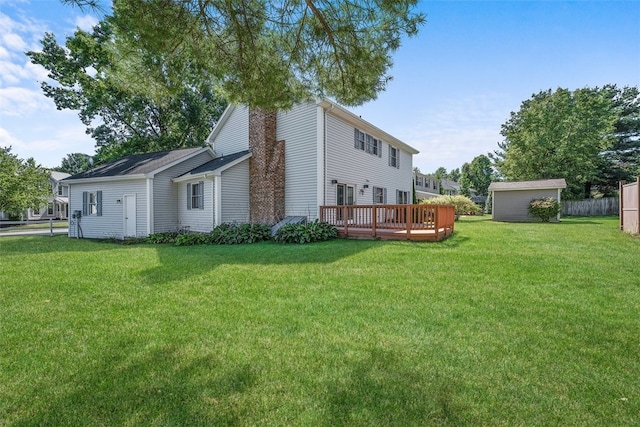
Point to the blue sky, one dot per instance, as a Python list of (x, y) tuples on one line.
[(453, 85)]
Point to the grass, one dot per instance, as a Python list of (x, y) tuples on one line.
[(502, 324)]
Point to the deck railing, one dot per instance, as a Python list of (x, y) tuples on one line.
[(386, 218)]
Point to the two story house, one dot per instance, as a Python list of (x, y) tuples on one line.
[(57, 206), (426, 186), (256, 167)]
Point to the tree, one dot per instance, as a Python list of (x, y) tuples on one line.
[(465, 181), (75, 163), (621, 162), (476, 175), (454, 175), (23, 183), (265, 53), (177, 109), (558, 135)]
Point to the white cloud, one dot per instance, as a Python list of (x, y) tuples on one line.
[(14, 42), (18, 101), (6, 139), (86, 22), (453, 132)]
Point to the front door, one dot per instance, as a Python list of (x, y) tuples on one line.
[(345, 197), (130, 215)]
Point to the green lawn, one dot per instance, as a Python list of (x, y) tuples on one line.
[(502, 324)]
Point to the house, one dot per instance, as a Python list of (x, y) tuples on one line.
[(426, 186), (57, 206), (449, 187), (510, 200), (256, 167)]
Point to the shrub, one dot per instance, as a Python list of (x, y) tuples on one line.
[(230, 234), (315, 231), (191, 239), (544, 209), (157, 238), (463, 204)]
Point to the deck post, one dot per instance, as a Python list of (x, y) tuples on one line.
[(409, 218), (374, 220), (345, 220)]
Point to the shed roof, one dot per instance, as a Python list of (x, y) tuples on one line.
[(528, 185), (136, 164)]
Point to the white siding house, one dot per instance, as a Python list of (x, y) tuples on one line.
[(324, 165), (331, 156)]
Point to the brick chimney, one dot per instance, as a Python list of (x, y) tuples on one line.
[(266, 168)]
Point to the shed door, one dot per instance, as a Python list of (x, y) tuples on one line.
[(130, 215)]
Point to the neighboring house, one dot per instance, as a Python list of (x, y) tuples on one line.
[(510, 200), (323, 155), (426, 186), (57, 206), (449, 187)]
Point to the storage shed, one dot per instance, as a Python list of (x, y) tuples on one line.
[(510, 200)]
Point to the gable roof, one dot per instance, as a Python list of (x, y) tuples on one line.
[(448, 184), (336, 110), (214, 166), (59, 176), (139, 165), (543, 184)]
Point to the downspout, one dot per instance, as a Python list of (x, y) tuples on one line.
[(321, 158), (150, 226)]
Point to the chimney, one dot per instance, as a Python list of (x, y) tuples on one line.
[(266, 168)]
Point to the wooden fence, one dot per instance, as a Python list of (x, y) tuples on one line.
[(630, 207), (591, 207)]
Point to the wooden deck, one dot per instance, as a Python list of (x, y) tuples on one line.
[(391, 222)]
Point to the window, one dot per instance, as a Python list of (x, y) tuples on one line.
[(394, 157), (50, 209), (365, 142), (359, 142), (195, 196), (419, 181), (60, 192), (379, 195), (373, 146), (92, 203), (402, 197)]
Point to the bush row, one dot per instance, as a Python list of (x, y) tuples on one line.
[(231, 234)]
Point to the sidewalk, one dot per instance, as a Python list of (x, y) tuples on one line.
[(38, 232)]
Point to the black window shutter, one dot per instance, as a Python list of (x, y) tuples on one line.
[(201, 194), (99, 203), (85, 203), (355, 138), (188, 196)]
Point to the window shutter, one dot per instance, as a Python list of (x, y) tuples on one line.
[(380, 148), (390, 148), (385, 195), (188, 197), (201, 194), (397, 158), (99, 203), (355, 138), (85, 203)]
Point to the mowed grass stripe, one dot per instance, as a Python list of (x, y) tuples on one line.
[(502, 324)]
